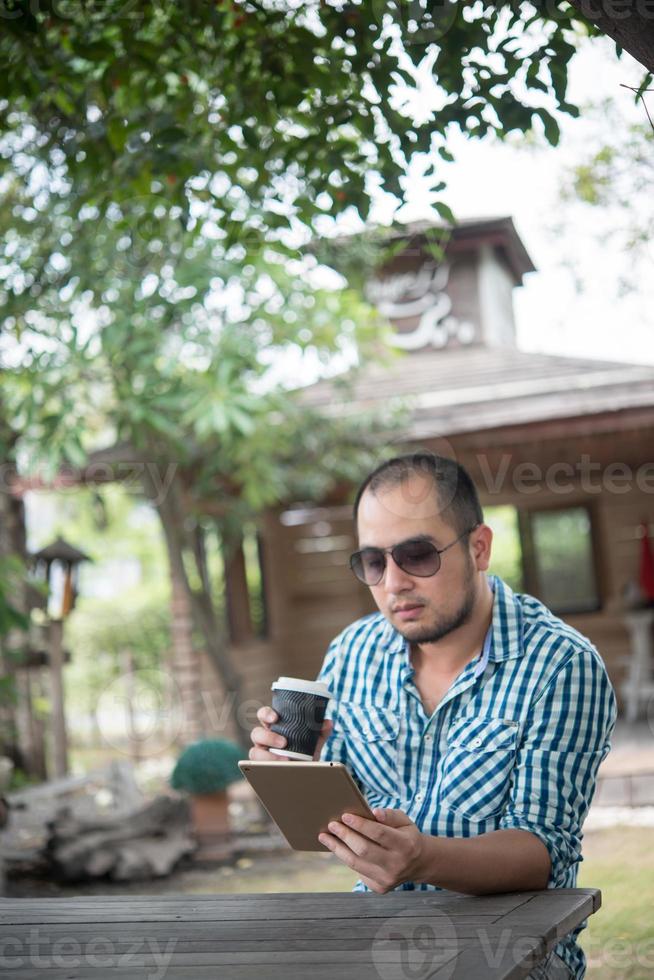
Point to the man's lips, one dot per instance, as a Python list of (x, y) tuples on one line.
[(407, 612)]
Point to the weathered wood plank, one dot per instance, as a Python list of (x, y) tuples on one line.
[(148, 959), (30, 911), (551, 916), (512, 960), (107, 944), (279, 971), (280, 905), (336, 896), (425, 935), (262, 930), (187, 939), (246, 898)]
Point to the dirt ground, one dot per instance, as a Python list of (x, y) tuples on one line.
[(291, 871), (295, 871)]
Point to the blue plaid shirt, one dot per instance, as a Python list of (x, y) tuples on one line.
[(515, 743)]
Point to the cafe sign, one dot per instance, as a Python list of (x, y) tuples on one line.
[(420, 294)]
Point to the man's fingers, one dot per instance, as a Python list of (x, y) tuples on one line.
[(267, 716), (394, 818), (347, 856), (266, 738), (370, 829), (263, 738), (362, 845), (342, 852), (375, 886), (326, 730)]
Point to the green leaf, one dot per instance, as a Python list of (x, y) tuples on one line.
[(243, 423), (74, 453), (445, 212), (63, 100), (551, 127), (117, 134)]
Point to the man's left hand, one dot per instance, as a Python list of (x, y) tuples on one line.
[(384, 852)]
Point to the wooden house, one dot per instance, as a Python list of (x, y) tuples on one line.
[(561, 450)]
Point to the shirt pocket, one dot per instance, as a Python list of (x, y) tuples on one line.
[(478, 764), (371, 732)]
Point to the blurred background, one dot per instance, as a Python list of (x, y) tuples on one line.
[(248, 250)]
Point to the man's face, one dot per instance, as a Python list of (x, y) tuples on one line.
[(423, 610)]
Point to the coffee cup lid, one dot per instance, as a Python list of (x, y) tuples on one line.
[(299, 684)]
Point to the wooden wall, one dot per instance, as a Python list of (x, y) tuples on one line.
[(618, 505), (312, 595)]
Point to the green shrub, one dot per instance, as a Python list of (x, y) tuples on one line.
[(207, 766)]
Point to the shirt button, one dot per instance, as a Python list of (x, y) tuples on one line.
[(476, 742), (366, 732), (418, 797), (428, 738)]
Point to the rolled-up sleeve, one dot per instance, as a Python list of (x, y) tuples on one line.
[(565, 738)]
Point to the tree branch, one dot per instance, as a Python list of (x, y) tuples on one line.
[(626, 25)]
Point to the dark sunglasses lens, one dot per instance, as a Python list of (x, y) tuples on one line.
[(417, 558), (368, 565), (414, 557)]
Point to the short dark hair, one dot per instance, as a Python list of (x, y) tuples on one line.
[(456, 493)]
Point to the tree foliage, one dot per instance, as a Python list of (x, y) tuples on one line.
[(613, 175), (161, 351), (163, 165), (264, 111)]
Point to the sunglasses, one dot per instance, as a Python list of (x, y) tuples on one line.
[(416, 556)]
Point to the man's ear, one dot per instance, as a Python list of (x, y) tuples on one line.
[(481, 542)]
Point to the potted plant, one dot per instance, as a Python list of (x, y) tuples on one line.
[(204, 770)]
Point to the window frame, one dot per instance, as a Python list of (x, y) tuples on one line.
[(530, 574)]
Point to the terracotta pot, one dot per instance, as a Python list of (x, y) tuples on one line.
[(209, 813)]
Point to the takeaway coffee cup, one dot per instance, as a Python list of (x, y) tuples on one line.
[(301, 707)]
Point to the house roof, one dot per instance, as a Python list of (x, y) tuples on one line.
[(466, 236), (60, 550), (461, 390), (469, 234)]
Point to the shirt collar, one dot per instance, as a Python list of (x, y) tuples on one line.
[(503, 640), (507, 623)]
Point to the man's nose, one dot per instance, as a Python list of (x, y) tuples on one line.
[(395, 579)]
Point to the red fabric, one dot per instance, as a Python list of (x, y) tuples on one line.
[(646, 565)]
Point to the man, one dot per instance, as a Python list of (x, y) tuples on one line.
[(473, 719)]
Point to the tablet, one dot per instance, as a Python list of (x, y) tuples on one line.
[(302, 797)]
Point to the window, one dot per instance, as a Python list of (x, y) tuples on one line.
[(506, 558), (562, 571), (548, 553)]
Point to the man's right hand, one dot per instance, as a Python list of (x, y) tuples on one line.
[(264, 739)]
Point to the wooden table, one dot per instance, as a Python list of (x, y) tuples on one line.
[(299, 936)]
